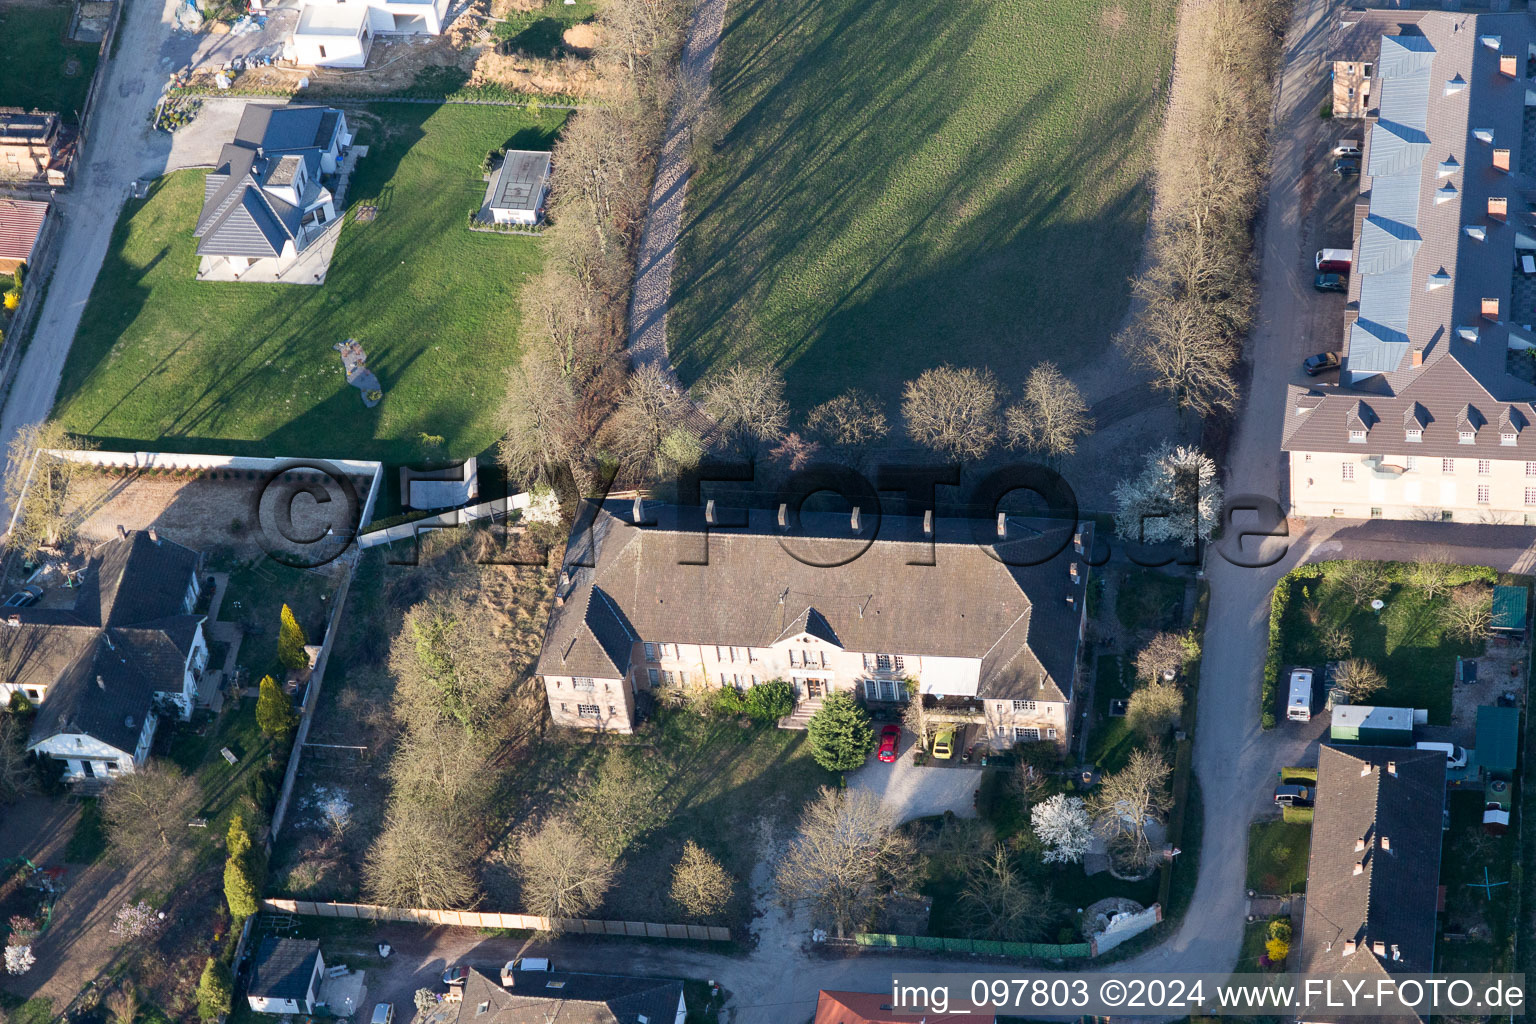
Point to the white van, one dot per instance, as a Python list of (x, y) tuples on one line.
[(1299, 707), (1455, 757), (1333, 261)]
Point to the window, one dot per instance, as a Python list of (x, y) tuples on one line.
[(1375, 512), (1447, 465), (668, 678), (1415, 435), (1484, 467), (1307, 457), (611, 711), (1508, 439), (589, 711), (583, 684), (1023, 705), (1446, 515), (33, 693), (485, 1005), (1347, 471), (653, 676), (1412, 463), (884, 689), (650, 652), (1482, 494), (1025, 735), (562, 708), (1530, 469), (1530, 495), (1466, 436), (1357, 437), (1050, 734), (322, 53)]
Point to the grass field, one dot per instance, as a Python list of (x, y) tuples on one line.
[(162, 360), (903, 184), (1277, 856), (33, 55)]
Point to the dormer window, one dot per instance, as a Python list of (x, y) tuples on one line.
[(1413, 434), (1508, 438), (1357, 437), (1466, 436)]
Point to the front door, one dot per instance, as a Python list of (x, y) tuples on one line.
[(815, 688), (89, 769)]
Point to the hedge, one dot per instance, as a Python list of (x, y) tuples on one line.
[(1398, 573)]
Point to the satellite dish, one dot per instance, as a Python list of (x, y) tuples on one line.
[(1377, 605)]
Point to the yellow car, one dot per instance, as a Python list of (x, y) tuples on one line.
[(944, 744)]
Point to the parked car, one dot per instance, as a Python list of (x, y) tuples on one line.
[(890, 736), (1333, 261), (1455, 756), (944, 745), (28, 595), (383, 1013), (1331, 283), (1347, 148), (1293, 796), (1346, 167), (524, 963), (1320, 363), (455, 975)]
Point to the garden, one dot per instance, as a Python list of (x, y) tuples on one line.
[(162, 360), (40, 69), (1392, 631)]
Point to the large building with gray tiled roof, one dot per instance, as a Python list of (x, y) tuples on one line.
[(871, 607), (1432, 413)]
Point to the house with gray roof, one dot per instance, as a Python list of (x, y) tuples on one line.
[(1373, 874), (1432, 411), (285, 976), (569, 997), (983, 620), (516, 191), (104, 669), (267, 198)]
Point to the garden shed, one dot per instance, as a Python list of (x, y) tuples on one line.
[(1510, 608), (1498, 741), (1365, 723)]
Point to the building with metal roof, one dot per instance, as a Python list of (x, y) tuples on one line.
[(1510, 608), (1498, 741), (1433, 410)]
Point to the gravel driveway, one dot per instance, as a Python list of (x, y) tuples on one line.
[(914, 792)]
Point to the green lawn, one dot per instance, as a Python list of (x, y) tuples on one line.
[(903, 184), (1406, 640), (541, 31), (1111, 741), (1277, 856), (1148, 601), (162, 360), (1485, 924), (33, 59)]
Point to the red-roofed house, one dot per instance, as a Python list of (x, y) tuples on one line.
[(21, 221), (876, 1008)]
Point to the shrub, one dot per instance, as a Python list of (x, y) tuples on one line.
[(12, 300), (214, 990), (1280, 928), (729, 700), (770, 701)]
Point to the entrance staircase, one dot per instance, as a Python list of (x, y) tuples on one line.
[(801, 715)]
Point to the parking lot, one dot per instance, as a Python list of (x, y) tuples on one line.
[(1328, 213)]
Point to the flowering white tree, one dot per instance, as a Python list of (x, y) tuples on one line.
[(135, 920), (19, 959), (1176, 498), (1063, 824)]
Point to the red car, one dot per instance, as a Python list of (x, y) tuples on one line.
[(889, 737)]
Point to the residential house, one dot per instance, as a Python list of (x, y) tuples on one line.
[(839, 603), (516, 191), (103, 670), (21, 225), (1374, 871), (1432, 413), (33, 147), (877, 1008), (538, 997), (285, 975), (266, 200), (1353, 51), (340, 34)]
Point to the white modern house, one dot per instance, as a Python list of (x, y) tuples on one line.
[(340, 33), (517, 189), (266, 200), (104, 670)]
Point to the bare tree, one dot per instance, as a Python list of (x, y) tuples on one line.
[(562, 873), (1154, 708), (699, 884), (145, 813), (539, 418), (953, 410), (1470, 614), (1164, 655), (1127, 801), (748, 404), (450, 666), (438, 764), (1362, 581), (123, 1004), (1183, 344), (622, 803), (845, 856), (999, 903), (1358, 680), (796, 451), (43, 505), (417, 861), (1337, 640), (16, 778), (1051, 416), (650, 410), (1432, 573), (852, 420)]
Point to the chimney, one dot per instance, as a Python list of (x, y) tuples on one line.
[(1509, 65), (1501, 159), (122, 532), (928, 523), (1077, 540), (1491, 309), (709, 511), (1498, 207), (853, 519), (1365, 769), (1002, 524), (1392, 768), (1072, 571), (1418, 357), (14, 620), (783, 516), (565, 579), (1349, 947), (154, 536), (1379, 948), (1359, 867), (1359, 845), (639, 511), (1386, 842)]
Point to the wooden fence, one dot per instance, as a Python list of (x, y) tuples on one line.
[(487, 919)]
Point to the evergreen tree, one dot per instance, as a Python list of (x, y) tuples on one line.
[(291, 641), (840, 734), (239, 883), (274, 711), (214, 990)]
